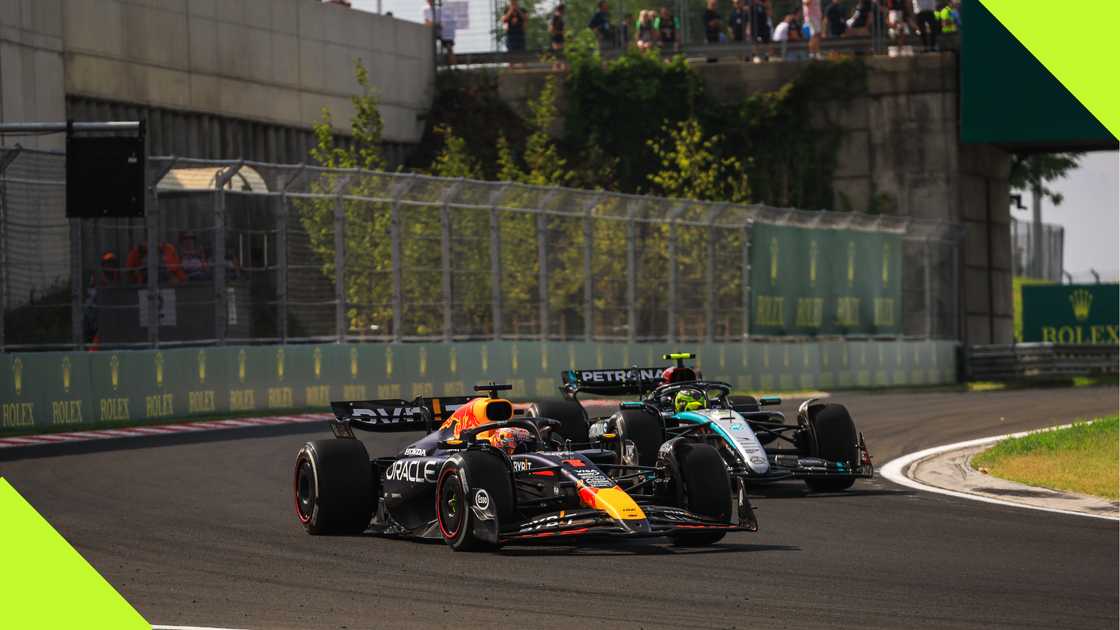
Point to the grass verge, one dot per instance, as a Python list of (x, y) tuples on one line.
[(1083, 458)]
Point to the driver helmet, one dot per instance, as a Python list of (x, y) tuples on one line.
[(510, 439), (689, 399)]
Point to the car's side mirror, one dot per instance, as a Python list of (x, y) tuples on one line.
[(769, 400)]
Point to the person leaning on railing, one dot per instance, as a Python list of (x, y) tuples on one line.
[(513, 22)]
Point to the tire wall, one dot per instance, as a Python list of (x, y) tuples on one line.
[(81, 390)]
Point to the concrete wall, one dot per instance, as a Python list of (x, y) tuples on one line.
[(31, 67), (277, 62), (900, 146)]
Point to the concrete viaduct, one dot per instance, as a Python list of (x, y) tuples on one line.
[(248, 78)]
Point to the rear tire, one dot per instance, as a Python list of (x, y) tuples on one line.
[(570, 414), (645, 430), (834, 438), (460, 480), (703, 488), (334, 487)]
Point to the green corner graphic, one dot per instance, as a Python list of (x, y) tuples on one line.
[(46, 583), (1083, 61)]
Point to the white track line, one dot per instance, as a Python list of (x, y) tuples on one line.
[(147, 431), (895, 470)]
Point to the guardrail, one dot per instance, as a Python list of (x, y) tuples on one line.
[(797, 49), (1040, 361)]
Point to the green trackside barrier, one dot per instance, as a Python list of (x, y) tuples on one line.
[(50, 390), (825, 282)]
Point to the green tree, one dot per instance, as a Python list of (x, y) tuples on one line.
[(1031, 171), (692, 167), (366, 251), (454, 160)]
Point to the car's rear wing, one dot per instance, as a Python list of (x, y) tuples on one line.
[(419, 414), (633, 381)]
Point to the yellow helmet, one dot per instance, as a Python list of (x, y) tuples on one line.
[(689, 400)]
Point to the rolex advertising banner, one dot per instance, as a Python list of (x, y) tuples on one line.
[(62, 391), (832, 282), (1071, 313)]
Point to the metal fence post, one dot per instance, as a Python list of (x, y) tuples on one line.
[(588, 278), (77, 287), (151, 262), (746, 281), (631, 276), (710, 274), (221, 305), (340, 268), (542, 271), (220, 314), (282, 267), (445, 260), (673, 275), (495, 272), (928, 278), (6, 158), (395, 256)]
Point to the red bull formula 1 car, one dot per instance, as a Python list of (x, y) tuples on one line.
[(823, 448), (482, 477)]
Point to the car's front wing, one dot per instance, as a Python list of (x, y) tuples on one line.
[(659, 521)]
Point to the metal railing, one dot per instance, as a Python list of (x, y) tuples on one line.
[(249, 253), (1041, 361)]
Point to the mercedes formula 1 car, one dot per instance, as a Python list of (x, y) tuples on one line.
[(483, 477), (823, 448)]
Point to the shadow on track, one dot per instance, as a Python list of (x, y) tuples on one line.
[(794, 492), (586, 549)]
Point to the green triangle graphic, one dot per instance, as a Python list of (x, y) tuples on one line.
[(46, 583), (1081, 58)]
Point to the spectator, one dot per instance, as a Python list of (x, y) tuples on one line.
[(712, 22), (624, 30), (811, 10), (556, 30), (950, 17), (928, 26), (600, 24), (668, 29), (782, 33), (171, 270), (760, 24), (193, 259), (647, 33), (513, 22), (737, 22), (859, 23), (837, 19), (898, 26), (108, 272), (444, 25)]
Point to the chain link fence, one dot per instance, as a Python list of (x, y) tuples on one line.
[(1038, 256), (267, 253)]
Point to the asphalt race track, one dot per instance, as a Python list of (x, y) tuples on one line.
[(203, 533)]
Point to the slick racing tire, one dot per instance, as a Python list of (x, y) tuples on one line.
[(645, 430), (473, 478), (702, 487), (833, 437), (333, 487), (570, 414)]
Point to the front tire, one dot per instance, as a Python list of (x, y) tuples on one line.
[(645, 430), (833, 438), (703, 487), (333, 487), (458, 488), (570, 414)]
